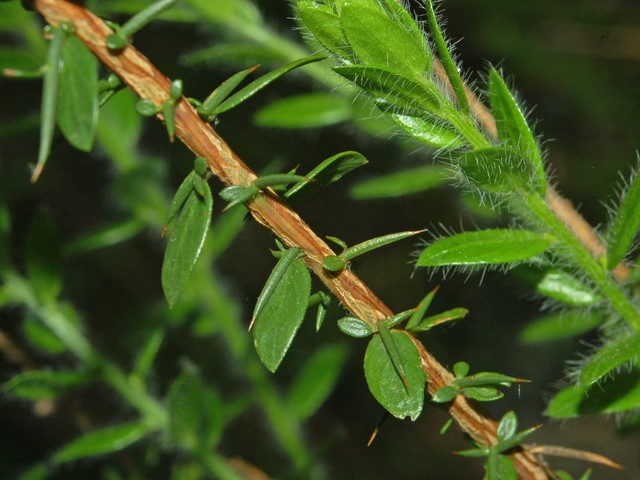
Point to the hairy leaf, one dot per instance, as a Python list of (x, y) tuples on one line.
[(484, 247), (325, 25), (278, 322), (384, 382), (564, 287), (435, 135), (610, 356), (625, 225)]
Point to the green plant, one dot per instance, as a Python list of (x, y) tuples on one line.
[(414, 85)]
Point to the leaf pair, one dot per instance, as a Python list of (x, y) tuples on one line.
[(190, 214), (69, 94)]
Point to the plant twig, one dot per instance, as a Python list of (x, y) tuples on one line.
[(268, 209)]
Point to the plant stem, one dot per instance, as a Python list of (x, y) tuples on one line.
[(583, 257)]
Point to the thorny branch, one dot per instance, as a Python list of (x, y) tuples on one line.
[(139, 74)]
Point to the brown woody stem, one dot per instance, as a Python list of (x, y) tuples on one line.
[(139, 74)]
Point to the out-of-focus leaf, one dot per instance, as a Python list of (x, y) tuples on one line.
[(77, 113), (312, 110), (397, 184), (100, 442), (484, 247), (106, 237), (234, 54), (612, 395), (5, 231), (277, 323), (625, 225), (328, 171), (610, 356), (185, 406), (384, 382), (325, 25), (316, 380), (437, 136), (560, 325), (562, 286), (500, 467), (41, 384), (44, 258), (512, 125)]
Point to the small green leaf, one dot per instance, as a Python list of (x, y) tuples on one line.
[(564, 287), (405, 182), (614, 394), (221, 93), (260, 83), (44, 258), (315, 381), (40, 384), (333, 263), (499, 170), (508, 426), (354, 327), (77, 113), (500, 467), (560, 325), (485, 379), (392, 90), (384, 382), (513, 129), (428, 323), (379, 40), (100, 442), (483, 394), (328, 171), (484, 247), (428, 132), (311, 110), (325, 25), (185, 406), (461, 369), (278, 322), (185, 243), (610, 356), (626, 224), (445, 394)]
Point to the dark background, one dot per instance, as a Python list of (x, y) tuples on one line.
[(576, 65)]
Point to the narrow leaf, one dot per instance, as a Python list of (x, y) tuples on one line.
[(610, 356), (44, 258), (625, 225), (311, 110), (560, 325), (104, 441), (421, 310), (328, 171), (49, 98), (483, 394), (258, 84), (221, 93), (185, 243), (316, 380), (385, 384), (484, 247), (512, 125), (428, 323), (185, 406), (278, 322), (398, 184), (428, 132), (40, 384), (77, 112)]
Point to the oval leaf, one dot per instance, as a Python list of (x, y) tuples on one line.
[(437, 136), (565, 288), (354, 327), (397, 184), (609, 357), (626, 224), (312, 110), (384, 382), (185, 243), (325, 25), (277, 323), (104, 441), (484, 247), (77, 113)]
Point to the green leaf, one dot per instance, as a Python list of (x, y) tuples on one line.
[(428, 132), (499, 170), (513, 129), (328, 171), (562, 286), (5, 233), (461, 369), (397, 184), (392, 90), (560, 325), (185, 406), (325, 25), (500, 467), (625, 225), (508, 426), (484, 379), (277, 323), (483, 394), (428, 323), (40, 336), (41, 384), (379, 40), (77, 113), (354, 327), (484, 247), (384, 382), (100, 442), (315, 381), (260, 83), (44, 258), (311, 110), (614, 394), (445, 394), (185, 243), (610, 356)]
